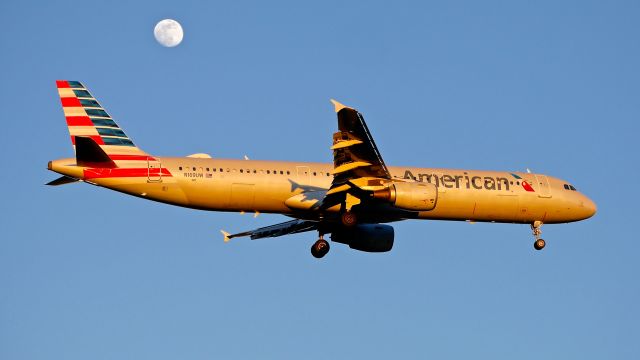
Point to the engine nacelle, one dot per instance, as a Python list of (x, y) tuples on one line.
[(410, 196), (366, 237)]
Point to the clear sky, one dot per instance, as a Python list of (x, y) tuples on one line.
[(86, 273)]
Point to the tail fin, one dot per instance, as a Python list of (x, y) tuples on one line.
[(87, 118)]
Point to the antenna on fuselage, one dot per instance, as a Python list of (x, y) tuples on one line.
[(528, 171)]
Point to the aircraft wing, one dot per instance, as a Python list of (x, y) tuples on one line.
[(285, 228), (357, 163), (355, 154)]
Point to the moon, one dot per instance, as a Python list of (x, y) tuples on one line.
[(168, 33)]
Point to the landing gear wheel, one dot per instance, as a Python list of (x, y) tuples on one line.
[(539, 244), (320, 248), (349, 219)]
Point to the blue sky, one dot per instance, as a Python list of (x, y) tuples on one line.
[(546, 85)]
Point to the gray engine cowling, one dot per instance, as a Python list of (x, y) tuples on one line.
[(366, 237), (410, 196)]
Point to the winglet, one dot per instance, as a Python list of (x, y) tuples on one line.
[(226, 235), (339, 106)]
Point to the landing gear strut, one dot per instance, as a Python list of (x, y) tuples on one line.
[(539, 243), (320, 248)]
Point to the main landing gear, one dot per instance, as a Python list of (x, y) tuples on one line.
[(320, 248), (539, 243), (349, 219)]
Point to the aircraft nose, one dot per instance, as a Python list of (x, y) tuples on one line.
[(588, 206)]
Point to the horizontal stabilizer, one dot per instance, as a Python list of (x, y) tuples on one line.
[(63, 180), (285, 228)]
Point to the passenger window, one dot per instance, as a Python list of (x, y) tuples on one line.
[(207, 169), (281, 172), (314, 173), (288, 173), (241, 170), (268, 172), (179, 167)]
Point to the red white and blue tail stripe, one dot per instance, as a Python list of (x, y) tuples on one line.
[(87, 118)]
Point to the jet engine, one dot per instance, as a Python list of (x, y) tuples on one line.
[(410, 196), (366, 237)]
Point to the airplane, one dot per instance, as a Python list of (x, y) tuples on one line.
[(353, 199)]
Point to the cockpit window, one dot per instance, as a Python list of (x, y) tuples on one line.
[(572, 188), (569, 187)]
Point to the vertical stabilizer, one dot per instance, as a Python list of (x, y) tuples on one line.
[(86, 118)]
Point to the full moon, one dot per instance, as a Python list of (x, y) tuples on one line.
[(168, 32)]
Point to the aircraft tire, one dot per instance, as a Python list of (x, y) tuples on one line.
[(320, 248), (539, 244), (349, 219)]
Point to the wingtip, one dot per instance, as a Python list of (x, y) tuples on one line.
[(338, 106), (226, 235)]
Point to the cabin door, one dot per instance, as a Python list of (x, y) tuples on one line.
[(154, 170), (543, 186)]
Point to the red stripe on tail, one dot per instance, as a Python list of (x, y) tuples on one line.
[(79, 121), (62, 84), (70, 102)]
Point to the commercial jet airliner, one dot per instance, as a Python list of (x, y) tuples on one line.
[(352, 199)]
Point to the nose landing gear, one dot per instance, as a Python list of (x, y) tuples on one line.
[(320, 248), (535, 228)]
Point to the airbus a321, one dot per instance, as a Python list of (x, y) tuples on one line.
[(353, 199)]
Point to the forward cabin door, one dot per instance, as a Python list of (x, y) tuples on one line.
[(154, 170), (543, 186)]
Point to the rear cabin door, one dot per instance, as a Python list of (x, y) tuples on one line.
[(154, 170), (543, 186)]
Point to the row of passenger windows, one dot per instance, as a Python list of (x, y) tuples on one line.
[(569, 187), (254, 171)]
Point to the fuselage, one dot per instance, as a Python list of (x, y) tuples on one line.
[(265, 186)]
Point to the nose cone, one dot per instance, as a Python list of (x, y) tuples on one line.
[(587, 207)]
